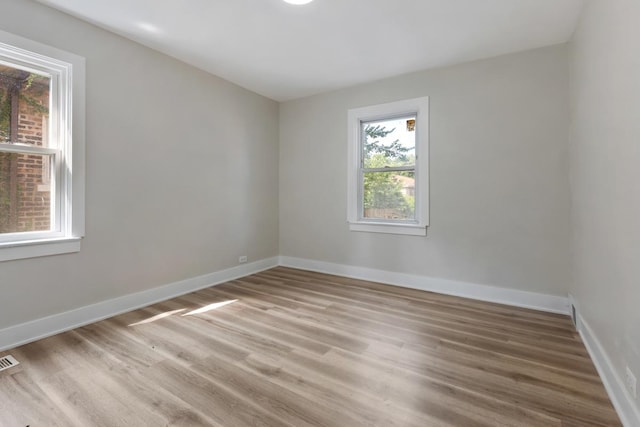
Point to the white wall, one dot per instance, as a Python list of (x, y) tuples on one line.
[(605, 176), (181, 173), (499, 175)]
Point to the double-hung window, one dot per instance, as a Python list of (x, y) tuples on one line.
[(388, 167), (41, 149)]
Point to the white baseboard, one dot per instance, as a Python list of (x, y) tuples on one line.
[(622, 400), (536, 301), (41, 328)]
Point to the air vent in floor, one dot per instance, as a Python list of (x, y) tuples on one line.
[(7, 362)]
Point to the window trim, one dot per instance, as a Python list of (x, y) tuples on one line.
[(68, 96), (355, 117)]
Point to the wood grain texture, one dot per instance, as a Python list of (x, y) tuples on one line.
[(288, 347)]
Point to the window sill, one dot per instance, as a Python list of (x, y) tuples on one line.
[(378, 227), (38, 248)]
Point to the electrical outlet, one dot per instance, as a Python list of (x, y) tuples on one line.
[(631, 383), (242, 259)]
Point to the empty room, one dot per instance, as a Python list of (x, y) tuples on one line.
[(319, 213)]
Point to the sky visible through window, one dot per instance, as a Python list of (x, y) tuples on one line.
[(401, 133)]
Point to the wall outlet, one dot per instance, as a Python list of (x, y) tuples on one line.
[(242, 259), (631, 383)]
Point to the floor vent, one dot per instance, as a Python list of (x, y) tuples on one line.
[(7, 362)]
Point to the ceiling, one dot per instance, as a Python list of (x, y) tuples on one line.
[(284, 52)]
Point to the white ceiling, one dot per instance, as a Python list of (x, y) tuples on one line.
[(284, 51)]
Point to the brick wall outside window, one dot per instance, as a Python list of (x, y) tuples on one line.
[(24, 178)]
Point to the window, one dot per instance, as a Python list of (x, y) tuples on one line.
[(41, 149), (388, 167)]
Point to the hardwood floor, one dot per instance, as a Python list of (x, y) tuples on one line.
[(292, 348)]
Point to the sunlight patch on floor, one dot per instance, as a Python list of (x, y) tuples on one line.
[(210, 307), (158, 317)]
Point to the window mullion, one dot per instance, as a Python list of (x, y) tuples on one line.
[(391, 169), (27, 149)]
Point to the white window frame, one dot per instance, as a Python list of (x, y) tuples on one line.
[(355, 209), (67, 147)]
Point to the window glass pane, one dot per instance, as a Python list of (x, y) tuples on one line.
[(24, 106), (390, 142), (389, 195), (25, 194)]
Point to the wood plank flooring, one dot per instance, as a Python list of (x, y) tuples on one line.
[(288, 347)]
